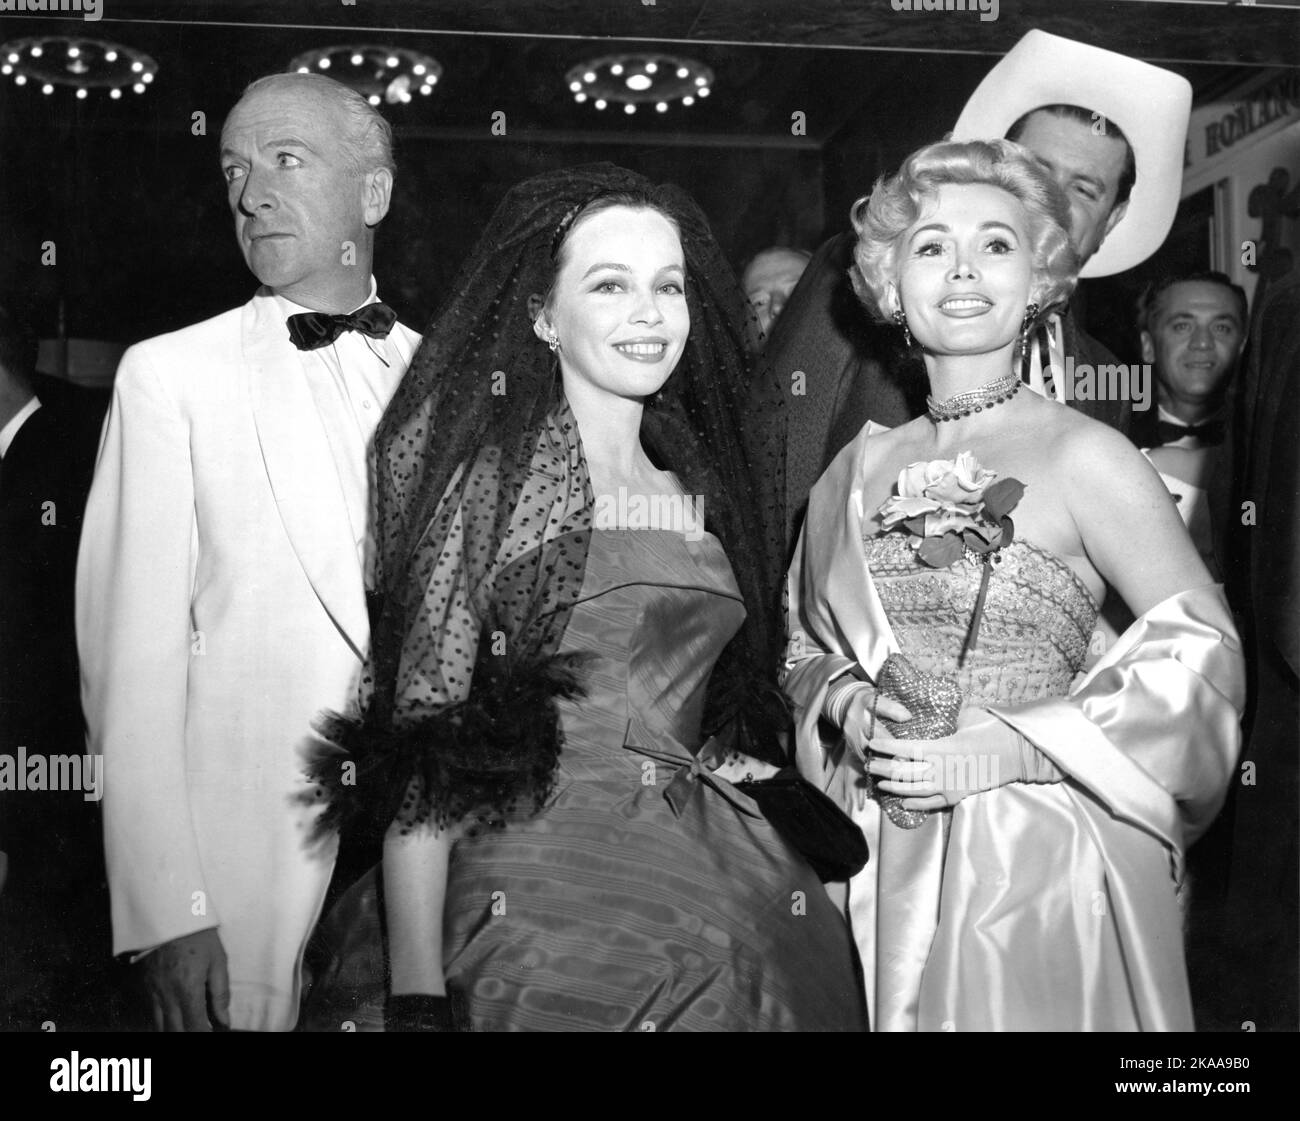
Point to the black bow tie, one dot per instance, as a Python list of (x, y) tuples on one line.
[(313, 329), (1209, 433)]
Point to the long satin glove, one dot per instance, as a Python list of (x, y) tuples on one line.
[(985, 753)]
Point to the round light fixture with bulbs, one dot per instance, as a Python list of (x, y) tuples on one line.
[(84, 65), (650, 81), (380, 74)]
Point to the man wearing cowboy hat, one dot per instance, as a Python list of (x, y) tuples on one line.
[(1110, 131)]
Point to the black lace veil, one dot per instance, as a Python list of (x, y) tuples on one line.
[(483, 515)]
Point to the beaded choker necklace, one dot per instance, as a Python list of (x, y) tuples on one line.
[(976, 400)]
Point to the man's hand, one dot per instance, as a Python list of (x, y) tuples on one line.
[(185, 977)]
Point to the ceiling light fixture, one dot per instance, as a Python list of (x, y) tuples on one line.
[(81, 64), (378, 73), (654, 81)]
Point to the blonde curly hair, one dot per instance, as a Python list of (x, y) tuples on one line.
[(897, 203)]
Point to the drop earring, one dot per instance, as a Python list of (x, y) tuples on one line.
[(553, 341), (900, 320), (1022, 343)]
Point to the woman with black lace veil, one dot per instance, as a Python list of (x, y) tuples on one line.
[(1028, 822), (569, 719)]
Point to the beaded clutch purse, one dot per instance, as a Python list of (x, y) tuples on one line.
[(934, 702)]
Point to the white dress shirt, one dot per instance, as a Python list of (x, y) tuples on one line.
[(352, 380)]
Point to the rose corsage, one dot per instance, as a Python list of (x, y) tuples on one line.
[(955, 509)]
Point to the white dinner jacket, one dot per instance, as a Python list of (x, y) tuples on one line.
[(220, 609)]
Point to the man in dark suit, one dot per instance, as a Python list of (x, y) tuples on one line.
[(1257, 961), (53, 894), (1109, 130)]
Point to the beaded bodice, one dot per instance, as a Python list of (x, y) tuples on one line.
[(1033, 639)]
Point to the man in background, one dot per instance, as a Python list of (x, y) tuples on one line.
[(1193, 331), (1250, 962), (54, 938), (767, 282)]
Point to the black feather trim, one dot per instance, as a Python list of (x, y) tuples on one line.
[(487, 756)]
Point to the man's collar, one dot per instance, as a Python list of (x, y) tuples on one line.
[(1210, 418), (291, 308)]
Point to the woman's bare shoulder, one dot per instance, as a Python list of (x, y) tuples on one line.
[(1102, 470), (887, 440), (1085, 444)]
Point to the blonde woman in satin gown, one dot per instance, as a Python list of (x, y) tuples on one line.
[(1041, 889)]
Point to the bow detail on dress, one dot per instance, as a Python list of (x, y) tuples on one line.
[(698, 767)]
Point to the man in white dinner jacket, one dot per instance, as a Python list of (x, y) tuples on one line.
[(221, 590)]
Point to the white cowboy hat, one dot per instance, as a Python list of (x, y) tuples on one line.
[(1150, 105)]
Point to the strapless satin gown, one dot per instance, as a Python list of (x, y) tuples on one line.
[(611, 910), (997, 915)]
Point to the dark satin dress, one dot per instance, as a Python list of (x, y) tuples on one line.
[(645, 896)]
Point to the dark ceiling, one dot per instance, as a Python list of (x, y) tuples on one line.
[(830, 59)]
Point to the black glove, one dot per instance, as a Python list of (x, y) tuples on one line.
[(423, 1012)]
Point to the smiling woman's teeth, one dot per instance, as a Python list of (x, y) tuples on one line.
[(962, 305), (645, 350)]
